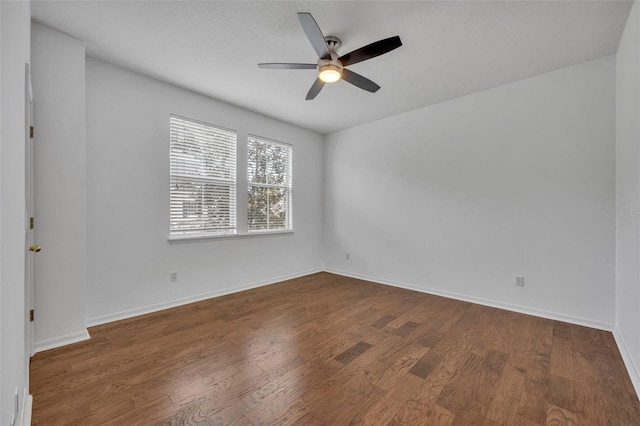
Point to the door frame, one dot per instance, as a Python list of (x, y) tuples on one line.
[(29, 213)]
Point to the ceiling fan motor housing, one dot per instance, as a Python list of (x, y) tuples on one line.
[(326, 64)]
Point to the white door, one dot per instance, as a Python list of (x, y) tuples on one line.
[(30, 248)]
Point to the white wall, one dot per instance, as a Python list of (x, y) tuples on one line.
[(15, 22), (129, 257), (460, 197), (58, 75), (627, 324)]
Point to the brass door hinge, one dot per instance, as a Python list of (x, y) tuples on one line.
[(32, 315), (31, 222), (31, 132)]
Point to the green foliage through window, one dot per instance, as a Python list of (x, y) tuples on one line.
[(269, 192)]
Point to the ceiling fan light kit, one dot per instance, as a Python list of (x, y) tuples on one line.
[(329, 73), (330, 66)]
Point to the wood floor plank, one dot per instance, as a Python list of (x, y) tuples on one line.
[(406, 328), (386, 375), (384, 410), (458, 395), (196, 388), (503, 408), (537, 383), (557, 416), (383, 321), (285, 407), (242, 421), (523, 421), (425, 365), (413, 409), (325, 350), (430, 338), (353, 352), (453, 335), (144, 414), (562, 393), (562, 351), (437, 415)]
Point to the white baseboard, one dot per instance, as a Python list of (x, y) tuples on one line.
[(632, 368), (103, 319), (486, 302), (56, 342), (25, 410)]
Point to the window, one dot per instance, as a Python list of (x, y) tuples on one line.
[(203, 178), (269, 185)]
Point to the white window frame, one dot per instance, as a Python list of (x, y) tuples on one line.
[(287, 186), (190, 169)]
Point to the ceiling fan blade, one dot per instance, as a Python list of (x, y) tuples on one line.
[(372, 50), (312, 30), (359, 81), (315, 89), (285, 66)]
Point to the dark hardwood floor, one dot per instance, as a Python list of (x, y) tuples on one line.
[(330, 350)]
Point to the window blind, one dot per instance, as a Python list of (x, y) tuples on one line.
[(269, 192), (203, 178)]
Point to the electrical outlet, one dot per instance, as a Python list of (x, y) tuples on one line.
[(174, 276), (520, 280), (347, 256)]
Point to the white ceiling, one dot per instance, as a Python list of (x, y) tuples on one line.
[(451, 48)]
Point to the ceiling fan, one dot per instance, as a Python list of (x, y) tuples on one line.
[(330, 66)]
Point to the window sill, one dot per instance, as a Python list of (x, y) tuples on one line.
[(203, 238)]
